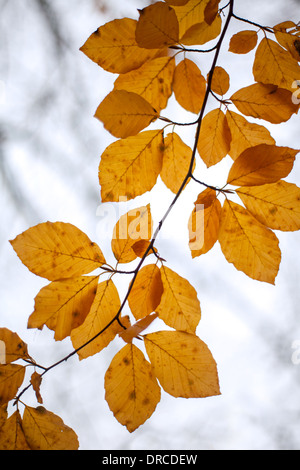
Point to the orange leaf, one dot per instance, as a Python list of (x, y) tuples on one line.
[(288, 39), (211, 11), (157, 27), (130, 167), (131, 390), (36, 380), (189, 86), (201, 33), (243, 42), (63, 305), (190, 14), (183, 364), (262, 164), (11, 435), (176, 2), (124, 113), (248, 245), (57, 250), (11, 378), (146, 292), (15, 348), (135, 330), (179, 307), (215, 138), (220, 81)]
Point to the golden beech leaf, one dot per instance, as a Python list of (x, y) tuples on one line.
[(131, 389), (63, 305), (211, 11), (124, 113), (245, 134), (179, 307), (287, 39), (114, 48), (36, 380), (130, 167), (176, 161), (11, 379), (44, 430), (157, 27), (274, 65), (189, 86), (183, 364), (267, 102), (221, 81), (152, 81), (135, 330), (204, 223), (140, 247), (11, 435), (243, 42), (57, 250), (15, 348), (133, 226), (275, 205), (250, 246), (100, 319), (214, 140), (146, 292), (262, 164), (201, 33), (189, 14)]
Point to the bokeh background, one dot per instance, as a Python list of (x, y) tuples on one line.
[(50, 147)]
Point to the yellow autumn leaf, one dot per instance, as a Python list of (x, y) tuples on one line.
[(204, 223), (63, 305), (179, 307), (189, 86), (101, 321), (57, 250), (44, 430), (135, 330), (131, 389), (15, 348), (275, 205), (176, 161), (130, 167), (124, 113), (220, 81), (11, 435), (201, 33), (190, 14), (133, 226), (146, 291), (214, 140), (262, 164), (183, 364), (245, 134), (274, 65), (243, 42), (157, 26), (250, 246), (152, 81), (114, 48), (11, 379), (36, 380), (267, 102)]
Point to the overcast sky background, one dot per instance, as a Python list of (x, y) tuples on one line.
[(50, 146)]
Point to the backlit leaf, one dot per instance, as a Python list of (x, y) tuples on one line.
[(135, 330), (113, 46), (190, 14), (220, 81), (176, 161), (215, 137), (245, 134), (133, 226), (11, 435), (204, 223), (275, 205), (57, 250), (152, 81), (247, 244), (63, 305), (146, 292), (157, 26), (131, 389), (183, 364), (201, 33), (36, 380), (267, 102), (179, 307), (15, 348), (130, 167), (44, 430), (274, 65), (11, 379), (101, 318), (124, 113), (288, 39), (262, 164), (243, 42), (189, 86)]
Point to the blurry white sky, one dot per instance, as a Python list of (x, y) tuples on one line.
[(50, 146)]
